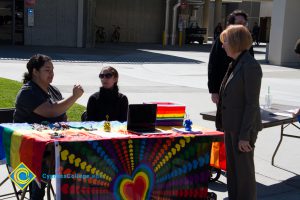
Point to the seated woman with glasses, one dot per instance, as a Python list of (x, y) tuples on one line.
[(108, 101)]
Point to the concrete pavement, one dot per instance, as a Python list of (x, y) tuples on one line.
[(153, 73)]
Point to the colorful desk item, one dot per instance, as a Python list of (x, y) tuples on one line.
[(106, 125), (187, 124), (169, 113)]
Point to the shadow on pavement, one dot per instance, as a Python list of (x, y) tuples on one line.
[(285, 186), (217, 186), (114, 53), (267, 191)]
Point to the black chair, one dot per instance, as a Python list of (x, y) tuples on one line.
[(83, 116), (6, 115)]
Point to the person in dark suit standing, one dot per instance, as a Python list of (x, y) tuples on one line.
[(255, 33), (218, 30), (239, 112), (218, 60)]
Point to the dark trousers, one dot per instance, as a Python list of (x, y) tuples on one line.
[(241, 183), (37, 193)]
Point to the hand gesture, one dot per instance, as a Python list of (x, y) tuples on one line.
[(77, 91)]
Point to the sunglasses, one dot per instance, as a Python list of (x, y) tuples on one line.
[(107, 75)]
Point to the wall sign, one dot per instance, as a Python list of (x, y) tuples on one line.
[(30, 2), (30, 14)]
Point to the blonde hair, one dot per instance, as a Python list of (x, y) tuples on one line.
[(237, 37)]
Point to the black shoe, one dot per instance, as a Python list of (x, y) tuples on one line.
[(211, 196)]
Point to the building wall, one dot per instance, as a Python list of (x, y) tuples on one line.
[(140, 21), (266, 8), (55, 24), (230, 7), (252, 9), (211, 26), (285, 31)]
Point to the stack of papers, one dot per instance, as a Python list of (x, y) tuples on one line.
[(287, 113), (182, 130)]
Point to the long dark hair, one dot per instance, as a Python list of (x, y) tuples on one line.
[(35, 62)]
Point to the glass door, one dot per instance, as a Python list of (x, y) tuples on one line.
[(12, 22), (18, 37), (6, 21)]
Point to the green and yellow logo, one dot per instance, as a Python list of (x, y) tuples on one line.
[(22, 176)]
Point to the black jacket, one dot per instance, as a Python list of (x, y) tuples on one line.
[(107, 102), (217, 65)]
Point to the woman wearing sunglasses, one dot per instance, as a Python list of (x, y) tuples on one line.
[(108, 101)]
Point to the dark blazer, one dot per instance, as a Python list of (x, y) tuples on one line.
[(240, 98), (217, 65)]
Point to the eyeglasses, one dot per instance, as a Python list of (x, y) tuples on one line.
[(107, 75)]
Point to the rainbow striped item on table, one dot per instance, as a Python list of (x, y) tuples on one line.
[(169, 113)]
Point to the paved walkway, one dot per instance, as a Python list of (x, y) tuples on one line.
[(154, 73)]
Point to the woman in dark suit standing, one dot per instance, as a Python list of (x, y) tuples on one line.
[(239, 112)]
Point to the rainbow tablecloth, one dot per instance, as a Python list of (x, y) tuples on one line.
[(171, 166)]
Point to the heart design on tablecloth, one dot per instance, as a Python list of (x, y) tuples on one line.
[(136, 187)]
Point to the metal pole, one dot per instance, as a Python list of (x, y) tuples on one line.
[(166, 32), (180, 38), (174, 21)]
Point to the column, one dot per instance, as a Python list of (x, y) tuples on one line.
[(206, 17), (218, 12), (174, 24), (167, 17)]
